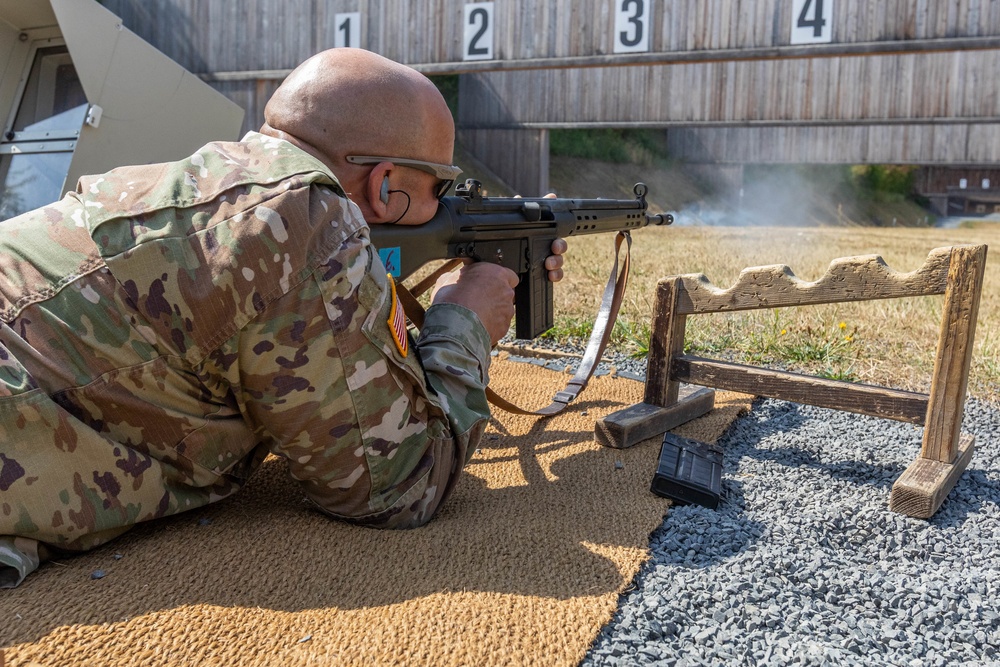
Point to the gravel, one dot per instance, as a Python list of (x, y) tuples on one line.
[(803, 563)]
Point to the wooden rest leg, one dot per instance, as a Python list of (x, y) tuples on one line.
[(666, 340), (626, 427), (925, 484), (954, 353), (666, 404)]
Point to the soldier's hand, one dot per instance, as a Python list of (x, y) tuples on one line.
[(484, 288), (554, 262)]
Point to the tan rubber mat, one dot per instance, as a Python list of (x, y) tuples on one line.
[(524, 564)]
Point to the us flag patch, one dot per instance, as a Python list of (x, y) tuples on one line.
[(397, 321)]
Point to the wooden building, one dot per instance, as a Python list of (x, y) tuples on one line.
[(973, 191), (733, 81)]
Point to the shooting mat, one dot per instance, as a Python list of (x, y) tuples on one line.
[(524, 564)]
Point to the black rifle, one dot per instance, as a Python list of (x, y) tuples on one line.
[(516, 233)]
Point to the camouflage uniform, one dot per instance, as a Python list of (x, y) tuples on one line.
[(166, 326)]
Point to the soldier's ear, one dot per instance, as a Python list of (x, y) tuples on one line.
[(378, 192)]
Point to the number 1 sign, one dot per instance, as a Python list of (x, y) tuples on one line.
[(348, 27), (811, 22)]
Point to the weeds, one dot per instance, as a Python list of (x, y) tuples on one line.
[(777, 341), (828, 353), (633, 337), (985, 375), (568, 328)]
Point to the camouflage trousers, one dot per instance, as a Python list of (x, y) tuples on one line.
[(47, 449)]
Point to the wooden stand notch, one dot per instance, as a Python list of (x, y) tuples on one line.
[(956, 272)]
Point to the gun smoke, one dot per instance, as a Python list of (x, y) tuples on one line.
[(767, 197)]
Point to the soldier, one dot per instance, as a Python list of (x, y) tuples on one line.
[(165, 327)]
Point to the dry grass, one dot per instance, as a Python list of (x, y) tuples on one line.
[(888, 342)]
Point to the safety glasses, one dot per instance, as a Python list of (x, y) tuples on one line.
[(445, 172)]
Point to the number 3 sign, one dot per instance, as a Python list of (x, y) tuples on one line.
[(811, 21), (632, 25)]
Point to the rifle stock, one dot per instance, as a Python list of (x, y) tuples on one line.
[(516, 233)]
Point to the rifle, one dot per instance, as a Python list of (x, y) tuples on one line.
[(516, 233)]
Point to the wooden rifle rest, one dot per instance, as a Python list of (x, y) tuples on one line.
[(957, 272)]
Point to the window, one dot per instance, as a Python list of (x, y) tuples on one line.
[(37, 146)]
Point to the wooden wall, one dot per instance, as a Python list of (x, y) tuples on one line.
[(945, 85), (520, 157), (930, 108), (900, 80), (252, 95), (245, 35), (208, 36), (697, 24), (928, 144)]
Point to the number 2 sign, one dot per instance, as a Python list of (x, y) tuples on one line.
[(478, 31), (811, 21)]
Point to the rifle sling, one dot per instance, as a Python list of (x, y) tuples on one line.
[(611, 303)]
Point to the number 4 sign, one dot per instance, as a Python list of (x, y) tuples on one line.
[(811, 22)]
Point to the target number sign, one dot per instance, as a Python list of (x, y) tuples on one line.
[(347, 29), (632, 25), (811, 21), (478, 31)]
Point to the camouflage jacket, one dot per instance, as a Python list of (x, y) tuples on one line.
[(166, 326)]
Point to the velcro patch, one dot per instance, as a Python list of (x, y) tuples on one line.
[(397, 321)]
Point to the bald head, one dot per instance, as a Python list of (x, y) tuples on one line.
[(355, 102)]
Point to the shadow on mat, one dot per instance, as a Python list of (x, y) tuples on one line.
[(546, 533)]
